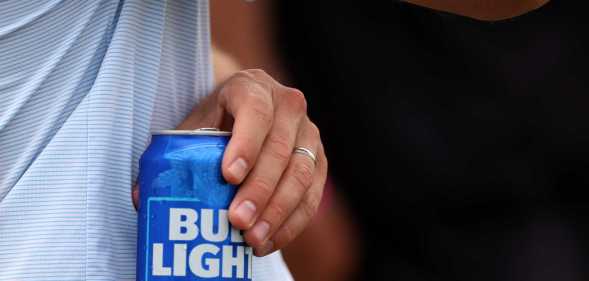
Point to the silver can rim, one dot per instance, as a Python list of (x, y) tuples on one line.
[(197, 132)]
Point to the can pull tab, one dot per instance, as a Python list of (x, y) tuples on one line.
[(195, 132)]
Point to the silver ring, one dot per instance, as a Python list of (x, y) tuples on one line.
[(305, 151)]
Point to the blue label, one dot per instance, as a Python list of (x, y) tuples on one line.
[(189, 240)]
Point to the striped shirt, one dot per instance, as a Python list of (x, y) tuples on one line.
[(82, 83)]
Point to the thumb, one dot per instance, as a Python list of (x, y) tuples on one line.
[(135, 196)]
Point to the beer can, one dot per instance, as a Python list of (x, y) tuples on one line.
[(184, 232)]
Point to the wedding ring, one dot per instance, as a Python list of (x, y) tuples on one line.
[(305, 151)]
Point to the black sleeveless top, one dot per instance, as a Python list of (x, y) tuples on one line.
[(462, 146)]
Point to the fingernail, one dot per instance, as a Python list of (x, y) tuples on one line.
[(246, 211), (260, 230), (265, 249), (238, 169)]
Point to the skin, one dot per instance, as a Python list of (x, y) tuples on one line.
[(328, 249), (243, 35), (316, 254), (280, 191), (487, 10), (244, 30)]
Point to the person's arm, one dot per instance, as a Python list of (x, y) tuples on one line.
[(280, 190), (489, 10), (224, 65), (243, 30)]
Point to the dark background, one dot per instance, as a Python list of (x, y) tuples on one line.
[(461, 146)]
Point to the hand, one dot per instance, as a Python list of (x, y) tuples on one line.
[(280, 191)]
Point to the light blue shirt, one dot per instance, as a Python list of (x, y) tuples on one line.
[(82, 84)]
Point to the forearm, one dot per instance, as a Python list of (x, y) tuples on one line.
[(244, 30), (224, 65)]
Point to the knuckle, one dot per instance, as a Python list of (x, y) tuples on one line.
[(262, 186), (314, 130), (257, 93), (296, 99), (255, 76), (235, 86), (262, 114), (303, 174), (285, 235), (252, 76), (279, 147), (276, 213), (260, 105), (253, 82), (242, 75), (246, 81), (238, 80), (252, 241), (310, 205), (259, 100), (256, 72)]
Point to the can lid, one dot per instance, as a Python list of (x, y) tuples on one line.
[(197, 132)]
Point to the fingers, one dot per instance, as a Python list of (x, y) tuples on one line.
[(279, 190), (295, 224), (302, 215), (292, 191), (250, 103), (254, 193)]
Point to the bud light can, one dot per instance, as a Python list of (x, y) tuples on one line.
[(184, 232)]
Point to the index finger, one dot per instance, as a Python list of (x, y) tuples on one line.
[(249, 102)]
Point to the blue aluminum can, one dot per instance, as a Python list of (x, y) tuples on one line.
[(184, 233)]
